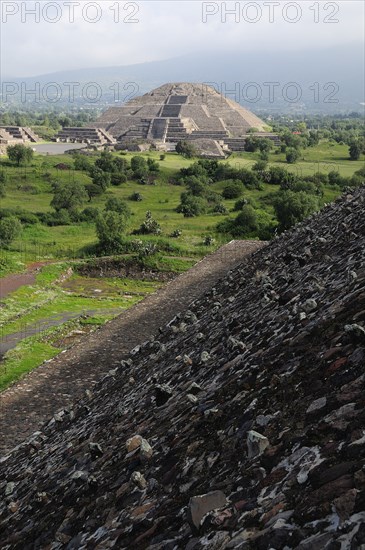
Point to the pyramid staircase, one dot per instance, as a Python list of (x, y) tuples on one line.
[(18, 133)]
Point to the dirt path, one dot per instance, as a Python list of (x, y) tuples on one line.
[(12, 282), (53, 385)]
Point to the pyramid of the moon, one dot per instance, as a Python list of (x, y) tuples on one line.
[(179, 111)]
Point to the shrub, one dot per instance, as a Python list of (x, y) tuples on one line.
[(245, 223), (208, 240), (115, 204), (220, 208), (3, 181), (291, 207), (10, 229), (149, 227), (212, 197), (135, 197), (292, 155), (118, 178), (232, 190), (60, 217), (247, 219), (238, 205), (110, 228), (248, 178), (89, 214), (191, 206), (186, 149), (68, 196), (153, 165), (176, 233)]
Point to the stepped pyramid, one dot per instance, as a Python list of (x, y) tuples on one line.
[(179, 111)]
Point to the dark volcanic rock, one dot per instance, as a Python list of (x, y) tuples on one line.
[(244, 426)]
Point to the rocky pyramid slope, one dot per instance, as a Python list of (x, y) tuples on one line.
[(243, 426)]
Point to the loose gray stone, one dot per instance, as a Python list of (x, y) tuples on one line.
[(256, 443), (202, 504)]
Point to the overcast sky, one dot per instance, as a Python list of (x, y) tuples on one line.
[(151, 30)]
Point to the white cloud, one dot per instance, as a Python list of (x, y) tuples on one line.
[(165, 29)]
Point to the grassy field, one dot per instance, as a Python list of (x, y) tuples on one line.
[(53, 307), (56, 310), (30, 188)]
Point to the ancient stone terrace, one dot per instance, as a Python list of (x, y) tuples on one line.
[(85, 135), (13, 134)]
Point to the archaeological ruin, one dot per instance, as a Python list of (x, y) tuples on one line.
[(172, 113)]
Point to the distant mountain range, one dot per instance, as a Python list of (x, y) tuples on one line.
[(330, 80)]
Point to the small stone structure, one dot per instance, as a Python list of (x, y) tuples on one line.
[(10, 135), (85, 135)]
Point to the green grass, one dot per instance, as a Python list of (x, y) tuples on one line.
[(74, 302), (24, 358), (33, 351), (30, 187), (31, 305)]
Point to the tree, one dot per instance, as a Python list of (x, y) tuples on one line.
[(139, 167), (233, 189), (118, 178), (280, 176), (105, 162), (68, 196), (292, 207), (292, 155), (245, 223), (93, 190), (10, 228), (191, 206), (246, 220), (260, 168), (186, 149), (120, 164), (313, 138), (100, 178), (115, 204), (153, 165), (3, 180), (110, 228), (20, 153), (265, 145), (195, 186), (355, 150), (252, 144), (82, 162)]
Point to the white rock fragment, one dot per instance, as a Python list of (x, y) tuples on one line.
[(256, 443), (317, 405)]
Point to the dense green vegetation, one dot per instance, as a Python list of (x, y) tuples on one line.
[(61, 217), (163, 210)]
